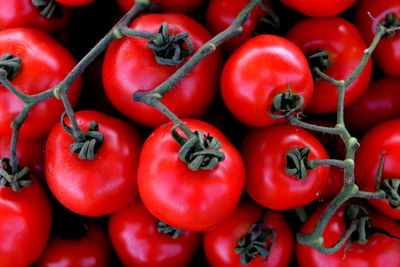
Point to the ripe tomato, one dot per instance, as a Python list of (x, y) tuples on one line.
[(90, 250), (186, 199), (75, 2), (123, 72), (386, 55), (382, 138), (319, 8), (100, 186), (345, 48), (137, 241), (22, 13), (45, 63), (179, 6), (378, 104), (220, 243), (380, 250), (261, 68), (264, 153), (25, 224)]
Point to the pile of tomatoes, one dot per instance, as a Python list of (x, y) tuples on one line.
[(147, 198)]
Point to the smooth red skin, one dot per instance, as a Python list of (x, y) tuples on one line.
[(75, 2), (334, 184), (378, 104), (264, 153), (382, 138), (30, 152), (345, 46), (221, 14), (91, 250), (22, 13), (219, 244), (45, 63), (387, 54), (134, 235), (261, 68), (185, 199), (100, 186), (319, 8), (380, 250), (25, 224), (179, 6), (124, 74)]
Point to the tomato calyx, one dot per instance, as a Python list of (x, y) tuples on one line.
[(297, 163), (258, 241), (170, 48), (318, 60), (173, 232), (48, 8), (391, 21), (286, 104), (10, 66), (391, 187), (15, 180), (199, 150)]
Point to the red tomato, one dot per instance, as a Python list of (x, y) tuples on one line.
[(100, 186), (319, 8), (135, 237), (186, 199), (261, 68), (380, 250), (75, 2), (38, 73), (90, 250), (221, 14), (382, 138), (124, 74), (264, 153), (378, 104), (386, 55), (25, 224), (22, 13), (345, 48), (220, 244), (180, 6)]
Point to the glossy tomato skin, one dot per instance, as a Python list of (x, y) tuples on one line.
[(91, 250), (45, 63), (345, 48), (378, 104), (185, 199), (386, 54), (261, 68), (22, 13), (381, 138), (319, 8), (25, 224), (124, 74), (264, 153), (220, 243), (135, 238), (75, 2), (221, 14), (380, 250), (100, 186), (179, 6)]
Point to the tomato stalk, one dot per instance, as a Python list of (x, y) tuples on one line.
[(48, 8)]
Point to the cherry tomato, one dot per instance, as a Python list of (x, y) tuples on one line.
[(344, 46), (319, 8), (75, 2), (386, 54), (267, 182), (179, 6), (25, 224), (22, 13), (261, 68), (90, 250), (100, 186), (137, 241), (124, 74), (220, 243), (45, 63), (382, 138), (186, 199), (380, 250)]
